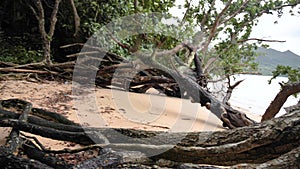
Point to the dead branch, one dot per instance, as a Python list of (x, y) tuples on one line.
[(27, 71), (260, 40), (230, 89), (10, 161), (78, 137)]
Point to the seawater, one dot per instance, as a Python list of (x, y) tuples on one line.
[(255, 94)]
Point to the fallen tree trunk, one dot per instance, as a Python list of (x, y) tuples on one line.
[(169, 80), (231, 118), (255, 144), (261, 144)]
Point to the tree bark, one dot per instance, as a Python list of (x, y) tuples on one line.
[(20, 163), (265, 144), (255, 144), (76, 18), (46, 37)]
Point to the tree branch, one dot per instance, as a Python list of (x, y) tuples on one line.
[(53, 18), (41, 19), (236, 12), (280, 99), (230, 89), (206, 15), (76, 17), (215, 25), (186, 12), (124, 46), (261, 40)]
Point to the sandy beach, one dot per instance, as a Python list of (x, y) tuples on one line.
[(110, 108)]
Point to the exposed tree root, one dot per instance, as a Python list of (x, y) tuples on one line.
[(271, 143)]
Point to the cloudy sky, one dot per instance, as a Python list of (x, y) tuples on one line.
[(287, 28)]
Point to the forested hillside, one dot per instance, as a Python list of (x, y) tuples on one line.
[(269, 59)]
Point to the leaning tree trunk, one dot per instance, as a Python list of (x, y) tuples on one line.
[(231, 118), (286, 91)]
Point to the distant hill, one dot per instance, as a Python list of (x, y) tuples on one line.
[(268, 60)]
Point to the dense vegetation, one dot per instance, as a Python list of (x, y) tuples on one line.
[(230, 27)]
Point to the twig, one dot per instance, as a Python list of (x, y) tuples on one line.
[(71, 45), (26, 65), (124, 46), (39, 145), (8, 64), (186, 12), (82, 53)]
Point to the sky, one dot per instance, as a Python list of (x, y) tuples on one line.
[(287, 29)]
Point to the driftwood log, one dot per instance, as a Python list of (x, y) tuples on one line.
[(272, 144)]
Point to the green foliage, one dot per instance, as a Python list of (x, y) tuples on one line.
[(292, 74), (14, 50), (142, 34), (227, 29), (96, 13), (233, 27), (20, 55)]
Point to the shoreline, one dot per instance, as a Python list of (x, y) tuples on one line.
[(117, 109)]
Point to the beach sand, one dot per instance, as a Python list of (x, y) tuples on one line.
[(98, 107)]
